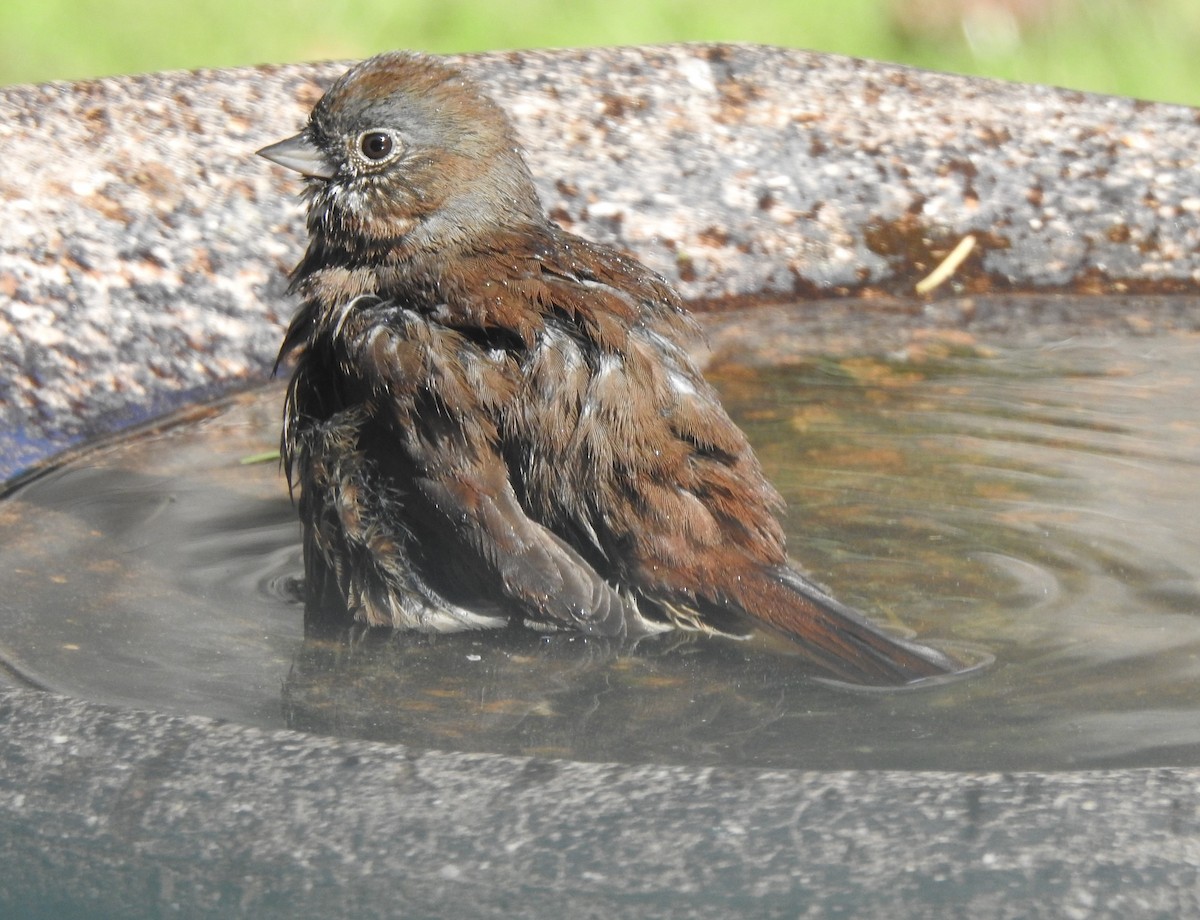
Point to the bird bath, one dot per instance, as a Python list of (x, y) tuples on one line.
[(1033, 498), (993, 466)]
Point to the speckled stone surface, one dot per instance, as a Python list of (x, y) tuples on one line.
[(143, 246), (129, 814), (142, 252)]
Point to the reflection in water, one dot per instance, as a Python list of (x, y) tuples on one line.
[(555, 695), (1039, 501), (672, 698)]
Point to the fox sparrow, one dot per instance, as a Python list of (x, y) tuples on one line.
[(493, 420)]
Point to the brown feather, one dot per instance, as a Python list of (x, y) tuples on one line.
[(488, 413)]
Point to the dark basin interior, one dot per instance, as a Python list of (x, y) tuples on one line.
[(1027, 501)]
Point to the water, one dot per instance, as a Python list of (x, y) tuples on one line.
[(1039, 500)]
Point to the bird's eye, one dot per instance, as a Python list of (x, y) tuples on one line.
[(376, 145)]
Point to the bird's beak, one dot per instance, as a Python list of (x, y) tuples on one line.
[(302, 155)]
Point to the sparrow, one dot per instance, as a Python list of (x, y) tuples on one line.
[(491, 420)]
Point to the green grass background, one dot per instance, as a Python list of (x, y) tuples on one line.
[(1144, 48)]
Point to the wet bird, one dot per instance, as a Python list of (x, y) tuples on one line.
[(492, 420)]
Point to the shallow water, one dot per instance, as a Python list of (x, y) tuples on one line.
[(1037, 500)]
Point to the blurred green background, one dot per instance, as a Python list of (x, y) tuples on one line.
[(1144, 48)]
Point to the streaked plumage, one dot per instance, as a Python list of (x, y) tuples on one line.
[(492, 419)]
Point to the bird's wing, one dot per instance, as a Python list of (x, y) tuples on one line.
[(531, 565), (440, 394)]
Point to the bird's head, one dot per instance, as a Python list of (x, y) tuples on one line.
[(404, 151)]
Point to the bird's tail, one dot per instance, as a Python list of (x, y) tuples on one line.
[(835, 636)]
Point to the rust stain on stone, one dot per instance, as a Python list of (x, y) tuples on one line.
[(713, 236), (913, 248)]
